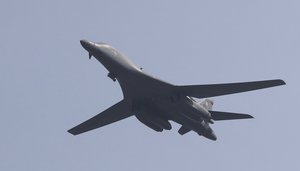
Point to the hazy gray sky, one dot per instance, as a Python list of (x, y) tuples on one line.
[(48, 85)]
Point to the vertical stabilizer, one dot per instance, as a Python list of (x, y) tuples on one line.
[(207, 104)]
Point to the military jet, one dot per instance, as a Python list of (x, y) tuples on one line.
[(155, 102)]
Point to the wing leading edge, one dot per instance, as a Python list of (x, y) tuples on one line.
[(211, 90), (117, 112)]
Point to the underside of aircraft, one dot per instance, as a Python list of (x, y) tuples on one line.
[(155, 102)]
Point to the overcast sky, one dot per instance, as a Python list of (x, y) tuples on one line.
[(49, 85)]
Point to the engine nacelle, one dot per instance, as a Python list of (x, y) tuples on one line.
[(153, 121), (148, 123)]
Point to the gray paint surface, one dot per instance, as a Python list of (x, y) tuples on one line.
[(155, 102), (47, 83)]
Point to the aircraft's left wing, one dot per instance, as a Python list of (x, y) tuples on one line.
[(211, 90), (117, 112)]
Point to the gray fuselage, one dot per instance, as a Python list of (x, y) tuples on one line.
[(154, 102)]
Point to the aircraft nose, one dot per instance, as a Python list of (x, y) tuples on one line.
[(86, 44)]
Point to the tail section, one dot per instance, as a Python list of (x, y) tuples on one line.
[(218, 116), (207, 104)]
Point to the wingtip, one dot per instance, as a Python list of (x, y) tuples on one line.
[(71, 132), (282, 82), (279, 82), (247, 116)]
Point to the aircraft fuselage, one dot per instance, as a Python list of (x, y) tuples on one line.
[(153, 101)]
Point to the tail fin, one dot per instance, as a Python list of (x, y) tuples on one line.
[(207, 104)]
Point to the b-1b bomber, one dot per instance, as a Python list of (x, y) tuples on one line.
[(155, 102)]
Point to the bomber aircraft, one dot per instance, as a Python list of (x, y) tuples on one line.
[(155, 102)]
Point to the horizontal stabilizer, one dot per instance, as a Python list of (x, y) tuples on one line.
[(211, 90), (183, 130), (218, 116), (115, 113)]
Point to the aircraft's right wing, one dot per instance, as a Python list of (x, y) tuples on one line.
[(211, 90), (117, 112)]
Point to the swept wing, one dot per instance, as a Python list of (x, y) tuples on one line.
[(211, 90), (117, 112)]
